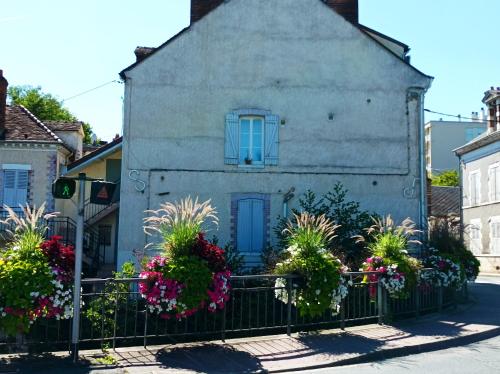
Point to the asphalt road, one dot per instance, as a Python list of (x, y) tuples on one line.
[(477, 358)]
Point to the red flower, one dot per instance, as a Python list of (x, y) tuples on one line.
[(59, 256), (212, 254)]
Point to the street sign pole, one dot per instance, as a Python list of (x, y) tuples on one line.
[(75, 334)]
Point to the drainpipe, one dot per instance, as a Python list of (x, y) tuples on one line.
[(461, 186), (420, 92)]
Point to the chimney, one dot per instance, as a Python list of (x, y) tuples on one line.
[(200, 8), (142, 52), (346, 8), (3, 102)]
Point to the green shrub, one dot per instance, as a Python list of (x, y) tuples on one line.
[(349, 217)]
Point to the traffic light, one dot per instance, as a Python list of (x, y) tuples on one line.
[(102, 192), (63, 188)]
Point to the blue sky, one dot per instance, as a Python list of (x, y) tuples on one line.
[(68, 47)]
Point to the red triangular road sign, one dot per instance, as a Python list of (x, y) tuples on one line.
[(103, 193)]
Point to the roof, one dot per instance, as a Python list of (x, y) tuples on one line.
[(445, 201), (364, 29), (64, 125), (482, 140), (22, 125), (98, 153)]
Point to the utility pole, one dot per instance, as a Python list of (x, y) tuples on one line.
[(75, 334)]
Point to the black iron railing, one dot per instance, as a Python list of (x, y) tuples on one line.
[(114, 313)]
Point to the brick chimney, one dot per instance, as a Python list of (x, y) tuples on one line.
[(3, 102), (346, 8), (200, 8)]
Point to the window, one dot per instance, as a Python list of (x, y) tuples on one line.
[(251, 138), (494, 182), (15, 187), (475, 188), (476, 245), (495, 235), (473, 133)]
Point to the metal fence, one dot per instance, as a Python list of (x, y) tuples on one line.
[(114, 314)]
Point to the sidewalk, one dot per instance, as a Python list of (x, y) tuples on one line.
[(475, 321)]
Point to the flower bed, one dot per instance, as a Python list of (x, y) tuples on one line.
[(35, 277), (445, 272), (192, 273), (321, 285)]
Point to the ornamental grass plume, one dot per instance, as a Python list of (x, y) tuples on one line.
[(309, 231), (29, 227), (179, 223)]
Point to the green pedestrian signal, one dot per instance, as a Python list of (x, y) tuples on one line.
[(63, 188)]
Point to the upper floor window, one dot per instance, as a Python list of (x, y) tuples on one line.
[(494, 182), (251, 138), (251, 141), (475, 188)]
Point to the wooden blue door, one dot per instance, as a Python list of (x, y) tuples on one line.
[(250, 229)]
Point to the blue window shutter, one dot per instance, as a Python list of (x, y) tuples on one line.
[(9, 188), (22, 187), (271, 140), (244, 229), (231, 147)]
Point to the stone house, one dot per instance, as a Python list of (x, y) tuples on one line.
[(32, 154), (480, 181), (257, 98)]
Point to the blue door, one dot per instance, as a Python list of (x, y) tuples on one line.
[(250, 229)]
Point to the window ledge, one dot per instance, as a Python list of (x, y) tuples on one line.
[(259, 166)]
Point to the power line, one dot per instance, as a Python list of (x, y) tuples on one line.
[(457, 116), (90, 90)]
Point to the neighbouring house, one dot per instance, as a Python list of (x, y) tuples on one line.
[(32, 156), (257, 97), (480, 180), (442, 137), (101, 221)]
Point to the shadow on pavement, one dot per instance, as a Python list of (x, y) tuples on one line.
[(41, 364), (209, 358)]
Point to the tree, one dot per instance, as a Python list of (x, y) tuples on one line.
[(337, 207), (45, 106), (446, 178)]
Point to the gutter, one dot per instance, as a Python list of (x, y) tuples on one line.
[(83, 165)]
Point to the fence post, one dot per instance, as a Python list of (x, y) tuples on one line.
[(440, 298), (224, 324), (380, 302), (417, 296), (289, 307), (145, 326), (342, 314), (116, 314)]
